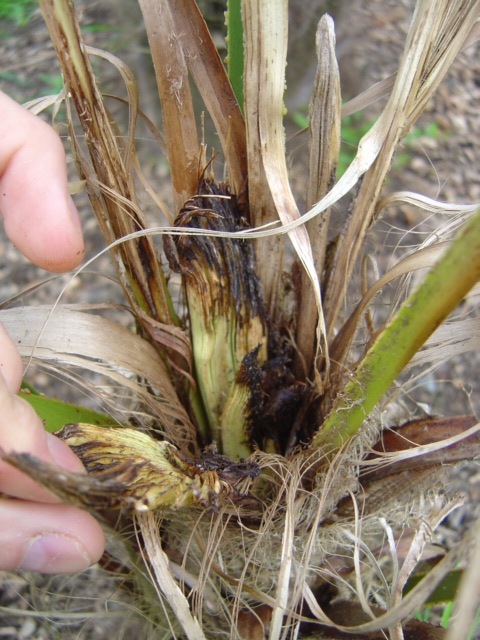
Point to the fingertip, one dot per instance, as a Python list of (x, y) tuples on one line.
[(39, 215), (42, 221), (54, 553), (65, 551)]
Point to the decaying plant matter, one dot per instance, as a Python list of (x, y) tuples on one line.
[(264, 417)]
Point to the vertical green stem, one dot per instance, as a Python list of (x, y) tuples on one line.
[(235, 47)]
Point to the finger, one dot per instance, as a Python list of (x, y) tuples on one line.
[(22, 430), (39, 215), (11, 367), (48, 538)]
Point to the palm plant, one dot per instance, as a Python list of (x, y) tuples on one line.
[(256, 469)]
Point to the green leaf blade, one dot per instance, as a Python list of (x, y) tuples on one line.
[(56, 413)]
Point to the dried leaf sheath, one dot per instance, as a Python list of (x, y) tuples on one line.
[(166, 46), (437, 32), (209, 74), (262, 206), (266, 28)]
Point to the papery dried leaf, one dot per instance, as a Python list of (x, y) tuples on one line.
[(383, 88), (266, 31), (419, 260), (66, 337), (178, 116), (159, 560), (171, 337), (437, 33), (114, 203), (427, 204), (324, 147), (324, 117), (369, 96), (269, 251), (450, 339), (453, 26), (210, 77)]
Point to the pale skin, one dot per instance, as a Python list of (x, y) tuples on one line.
[(36, 531)]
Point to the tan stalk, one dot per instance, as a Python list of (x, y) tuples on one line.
[(324, 147), (175, 597), (166, 47), (266, 30), (428, 52), (268, 251)]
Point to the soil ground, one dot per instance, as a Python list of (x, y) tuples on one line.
[(370, 35)]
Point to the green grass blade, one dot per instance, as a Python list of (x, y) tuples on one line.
[(56, 413), (444, 592), (233, 20), (444, 286)]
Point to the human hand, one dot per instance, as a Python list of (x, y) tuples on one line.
[(36, 531)]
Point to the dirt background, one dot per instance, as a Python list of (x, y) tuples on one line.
[(370, 36)]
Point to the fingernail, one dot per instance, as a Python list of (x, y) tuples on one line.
[(55, 554), (74, 215), (62, 454)]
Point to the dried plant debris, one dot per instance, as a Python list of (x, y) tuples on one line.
[(427, 441), (351, 611), (128, 469)]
